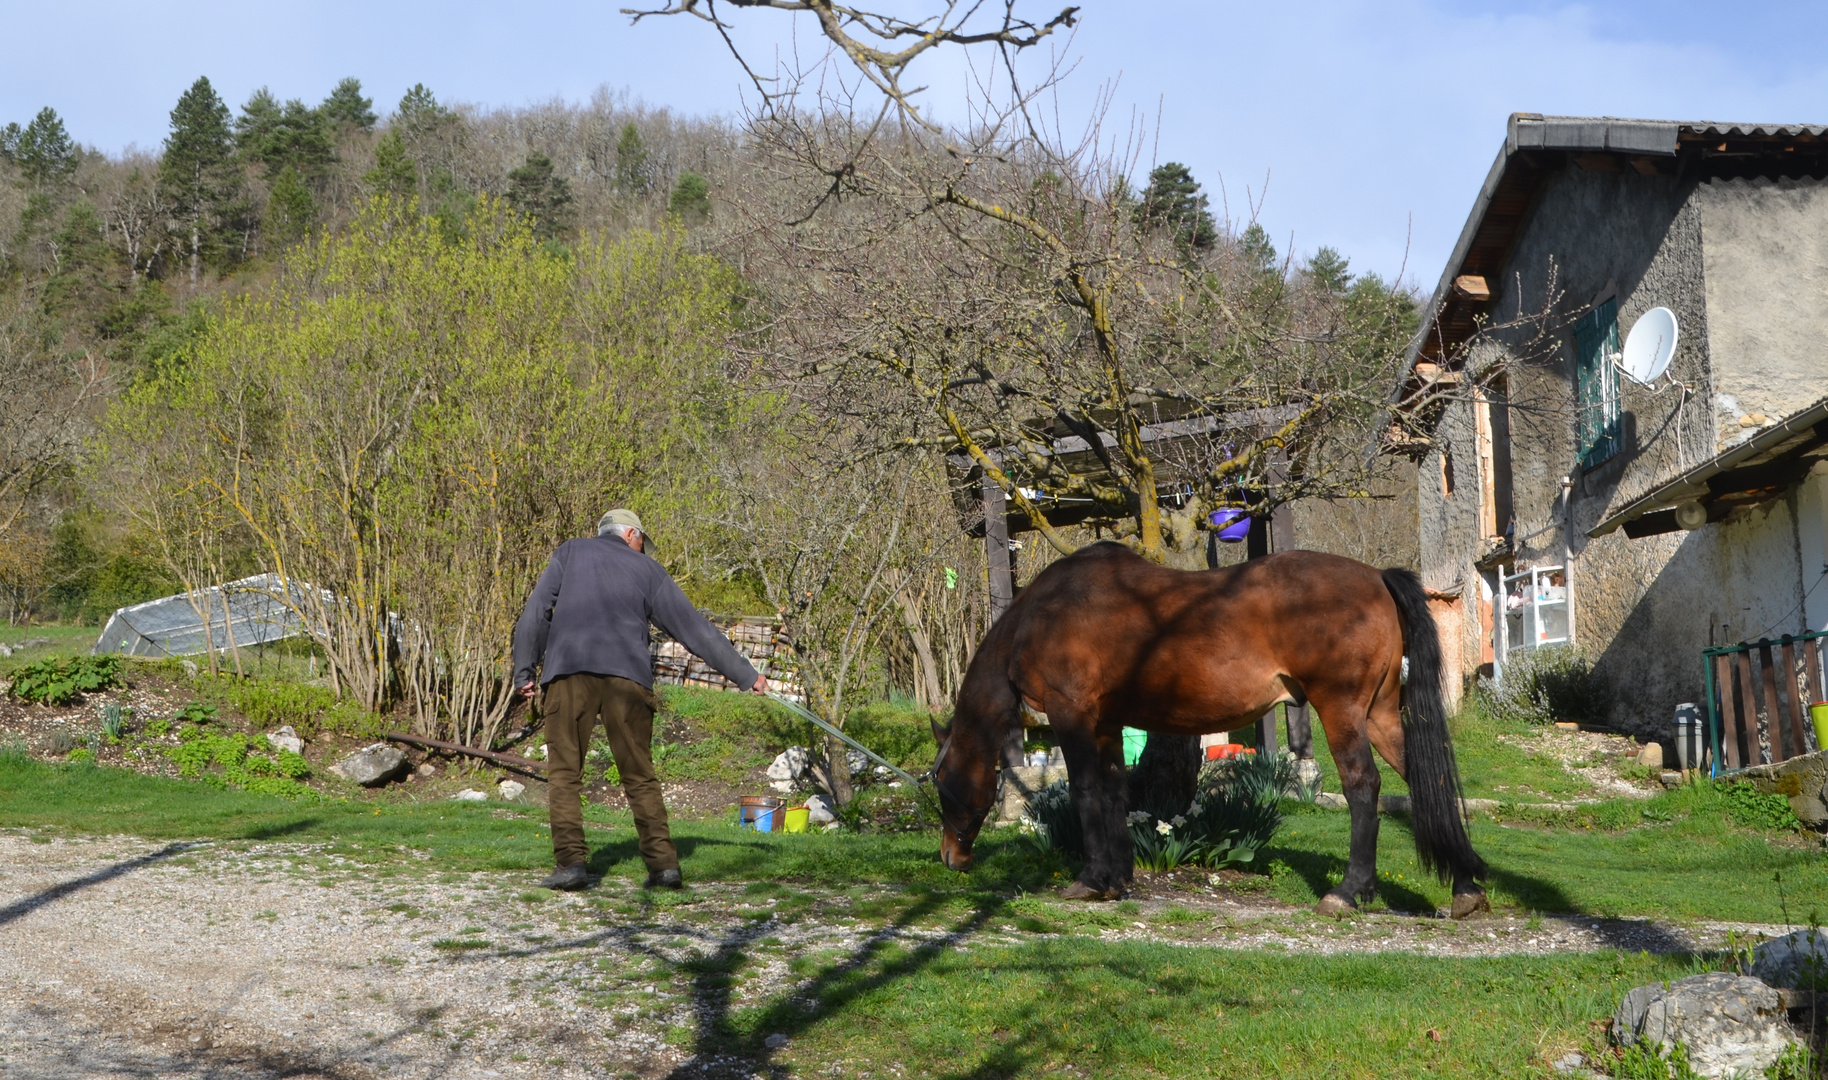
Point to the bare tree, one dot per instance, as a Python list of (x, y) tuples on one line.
[(45, 406)]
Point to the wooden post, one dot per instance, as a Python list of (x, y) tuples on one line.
[(1002, 588), (1267, 537), (996, 550)]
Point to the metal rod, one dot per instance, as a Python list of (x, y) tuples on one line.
[(807, 714)]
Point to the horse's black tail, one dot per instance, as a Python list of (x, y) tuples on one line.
[(1434, 779)]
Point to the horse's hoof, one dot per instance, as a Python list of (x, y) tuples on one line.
[(1079, 890), (1334, 906), (1471, 903)]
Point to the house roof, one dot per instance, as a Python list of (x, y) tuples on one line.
[(1756, 471), (1535, 146)]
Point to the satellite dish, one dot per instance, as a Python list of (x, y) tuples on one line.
[(1649, 346)]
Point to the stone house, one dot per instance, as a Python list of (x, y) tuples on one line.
[(1563, 502)]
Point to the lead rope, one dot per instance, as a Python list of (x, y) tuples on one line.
[(915, 782)]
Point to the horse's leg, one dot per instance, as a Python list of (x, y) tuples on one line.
[(1386, 731), (1345, 727), (1094, 769)]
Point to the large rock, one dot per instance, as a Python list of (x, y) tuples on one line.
[(1731, 1024), (371, 766), (790, 764), (1797, 961), (818, 811), (286, 739), (1803, 780)]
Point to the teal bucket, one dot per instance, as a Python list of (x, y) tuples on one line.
[(1134, 739)]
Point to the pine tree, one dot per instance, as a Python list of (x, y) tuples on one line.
[(196, 170), (254, 127), (43, 150), (631, 162), (534, 190), (394, 173), (1258, 249), (691, 198), (290, 208), (346, 107), (292, 135), (420, 114), (1327, 270), (1173, 200)]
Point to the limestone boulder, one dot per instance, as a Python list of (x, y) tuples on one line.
[(1797, 961), (286, 739), (790, 764), (371, 766), (1731, 1024)]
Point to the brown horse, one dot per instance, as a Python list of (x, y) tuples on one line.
[(1104, 639)]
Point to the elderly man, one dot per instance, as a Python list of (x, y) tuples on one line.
[(585, 631)]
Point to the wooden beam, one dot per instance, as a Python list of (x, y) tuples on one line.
[(1473, 287), (996, 549)]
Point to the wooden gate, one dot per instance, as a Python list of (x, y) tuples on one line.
[(1758, 697)]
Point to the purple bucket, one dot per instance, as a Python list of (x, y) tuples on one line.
[(1231, 523)]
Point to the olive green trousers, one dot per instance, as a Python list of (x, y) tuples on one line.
[(573, 704)]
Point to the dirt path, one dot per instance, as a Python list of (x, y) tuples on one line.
[(124, 958)]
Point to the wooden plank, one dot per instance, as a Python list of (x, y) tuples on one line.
[(1812, 669), (1768, 681), (1798, 745), (1729, 715), (1473, 287), (1748, 710)]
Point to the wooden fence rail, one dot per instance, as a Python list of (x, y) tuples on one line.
[(1758, 698)]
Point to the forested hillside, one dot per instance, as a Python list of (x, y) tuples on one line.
[(400, 352)]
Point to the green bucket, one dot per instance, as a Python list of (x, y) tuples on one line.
[(1818, 713), (1134, 739)]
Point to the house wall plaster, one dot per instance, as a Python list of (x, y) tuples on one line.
[(1767, 296)]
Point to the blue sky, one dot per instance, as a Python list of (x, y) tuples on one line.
[(1373, 122)]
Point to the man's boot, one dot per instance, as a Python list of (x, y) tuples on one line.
[(568, 878), (664, 879)]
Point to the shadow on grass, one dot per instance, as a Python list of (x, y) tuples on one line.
[(835, 986)]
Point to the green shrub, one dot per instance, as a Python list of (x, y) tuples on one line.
[(233, 754), (1236, 810), (64, 681), (1747, 807), (310, 710), (1542, 686)]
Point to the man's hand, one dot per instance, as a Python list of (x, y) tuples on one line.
[(761, 685), (529, 690)]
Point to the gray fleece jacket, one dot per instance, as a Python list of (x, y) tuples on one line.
[(590, 610)]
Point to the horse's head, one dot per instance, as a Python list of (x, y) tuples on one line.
[(965, 778)]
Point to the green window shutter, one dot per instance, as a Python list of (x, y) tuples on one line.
[(1596, 389)]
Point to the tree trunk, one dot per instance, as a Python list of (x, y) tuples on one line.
[(1164, 779), (928, 687), (838, 755)]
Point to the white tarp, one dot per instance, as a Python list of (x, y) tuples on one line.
[(250, 609)]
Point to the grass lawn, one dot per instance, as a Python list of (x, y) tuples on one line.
[(1489, 767), (1142, 1010), (1677, 856), (59, 640)]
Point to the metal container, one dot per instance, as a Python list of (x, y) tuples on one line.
[(1691, 736), (759, 812)]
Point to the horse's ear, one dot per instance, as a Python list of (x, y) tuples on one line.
[(939, 733)]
